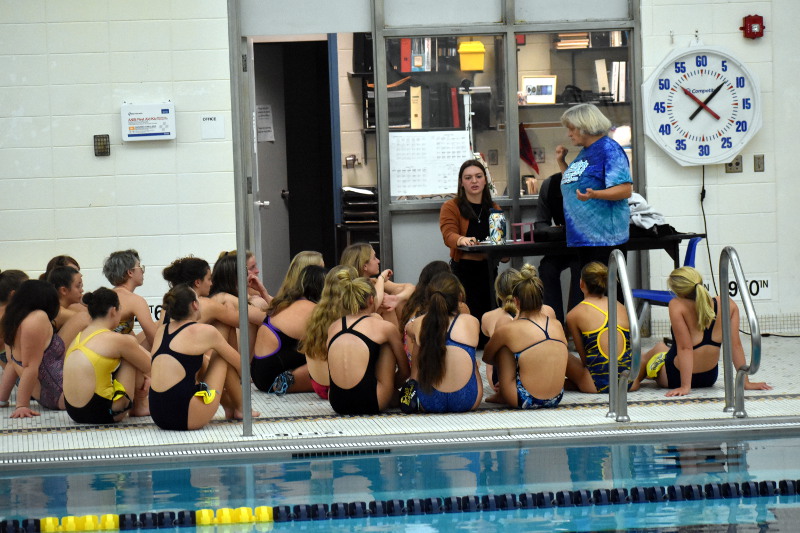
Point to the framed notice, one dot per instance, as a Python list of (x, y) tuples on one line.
[(539, 89), (148, 122)]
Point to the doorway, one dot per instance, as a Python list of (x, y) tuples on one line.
[(295, 166)]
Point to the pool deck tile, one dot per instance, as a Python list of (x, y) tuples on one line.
[(306, 422)]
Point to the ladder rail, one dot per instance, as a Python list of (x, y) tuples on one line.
[(618, 381), (734, 391)]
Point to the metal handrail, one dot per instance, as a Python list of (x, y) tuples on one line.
[(618, 388), (734, 394)]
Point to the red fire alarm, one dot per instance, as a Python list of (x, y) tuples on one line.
[(753, 27)]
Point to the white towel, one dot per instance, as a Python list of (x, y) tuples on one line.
[(642, 214)]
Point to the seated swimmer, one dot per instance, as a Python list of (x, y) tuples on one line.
[(530, 353), (365, 353), (443, 344), (588, 324), (178, 401), (102, 369)]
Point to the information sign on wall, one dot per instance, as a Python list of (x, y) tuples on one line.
[(148, 122)]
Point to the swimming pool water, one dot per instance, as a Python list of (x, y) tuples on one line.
[(386, 476)]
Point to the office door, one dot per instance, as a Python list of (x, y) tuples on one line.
[(293, 190)]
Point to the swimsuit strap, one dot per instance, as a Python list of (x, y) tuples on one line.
[(354, 323), (453, 323), (90, 337), (543, 330)]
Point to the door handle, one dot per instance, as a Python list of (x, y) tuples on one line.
[(261, 203), (284, 194)]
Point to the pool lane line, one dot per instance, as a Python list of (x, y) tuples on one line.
[(411, 507)]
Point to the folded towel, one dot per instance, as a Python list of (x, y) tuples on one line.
[(642, 214)]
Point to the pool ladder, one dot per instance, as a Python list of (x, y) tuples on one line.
[(734, 390)]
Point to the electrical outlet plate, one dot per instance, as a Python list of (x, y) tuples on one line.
[(758, 163), (735, 165)]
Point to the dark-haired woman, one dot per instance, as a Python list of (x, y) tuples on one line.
[(224, 290), (464, 221), (196, 273), (105, 372), (587, 323), (59, 261), (530, 353), (365, 353), (277, 366), (443, 344), (10, 280), (178, 400), (68, 282), (35, 352)]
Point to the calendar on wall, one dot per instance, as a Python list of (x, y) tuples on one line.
[(426, 162)]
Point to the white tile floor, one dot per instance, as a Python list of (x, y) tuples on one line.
[(304, 423)]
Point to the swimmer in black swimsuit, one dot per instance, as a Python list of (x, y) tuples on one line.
[(178, 400), (690, 363), (366, 360)]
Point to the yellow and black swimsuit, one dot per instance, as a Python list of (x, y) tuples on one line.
[(99, 410)]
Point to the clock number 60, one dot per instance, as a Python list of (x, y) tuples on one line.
[(701, 61)]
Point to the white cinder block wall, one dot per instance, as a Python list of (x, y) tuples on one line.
[(756, 213), (66, 66)]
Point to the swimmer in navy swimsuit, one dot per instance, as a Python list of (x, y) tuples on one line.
[(693, 314), (525, 400), (436, 366), (537, 356), (458, 401)]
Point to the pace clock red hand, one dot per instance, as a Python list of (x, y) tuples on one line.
[(702, 104), (707, 100)]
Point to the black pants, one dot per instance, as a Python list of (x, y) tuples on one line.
[(477, 277), (601, 254), (550, 269)]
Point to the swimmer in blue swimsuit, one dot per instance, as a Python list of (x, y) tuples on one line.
[(534, 355), (437, 366)]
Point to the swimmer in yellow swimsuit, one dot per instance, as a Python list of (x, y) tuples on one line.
[(102, 367)]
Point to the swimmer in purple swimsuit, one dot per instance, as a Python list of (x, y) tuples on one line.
[(36, 352)]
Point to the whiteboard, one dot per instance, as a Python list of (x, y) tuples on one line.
[(426, 162)]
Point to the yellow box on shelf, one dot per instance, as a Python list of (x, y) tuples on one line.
[(471, 54)]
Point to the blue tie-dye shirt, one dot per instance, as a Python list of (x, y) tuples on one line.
[(595, 222)]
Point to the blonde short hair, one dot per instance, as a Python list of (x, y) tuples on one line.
[(587, 118)]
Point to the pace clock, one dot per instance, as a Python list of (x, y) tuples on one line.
[(701, 105)]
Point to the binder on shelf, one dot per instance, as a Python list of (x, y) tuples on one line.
[(623, 82), (601, 70), (405, 54), (454, 107), (416, 107)]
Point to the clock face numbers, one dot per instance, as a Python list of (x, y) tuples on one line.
[(702, 107)]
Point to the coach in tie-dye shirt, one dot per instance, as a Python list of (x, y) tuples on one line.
[(596, 186)]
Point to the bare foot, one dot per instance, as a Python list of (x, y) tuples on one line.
[(495, 398), (238, 415)]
